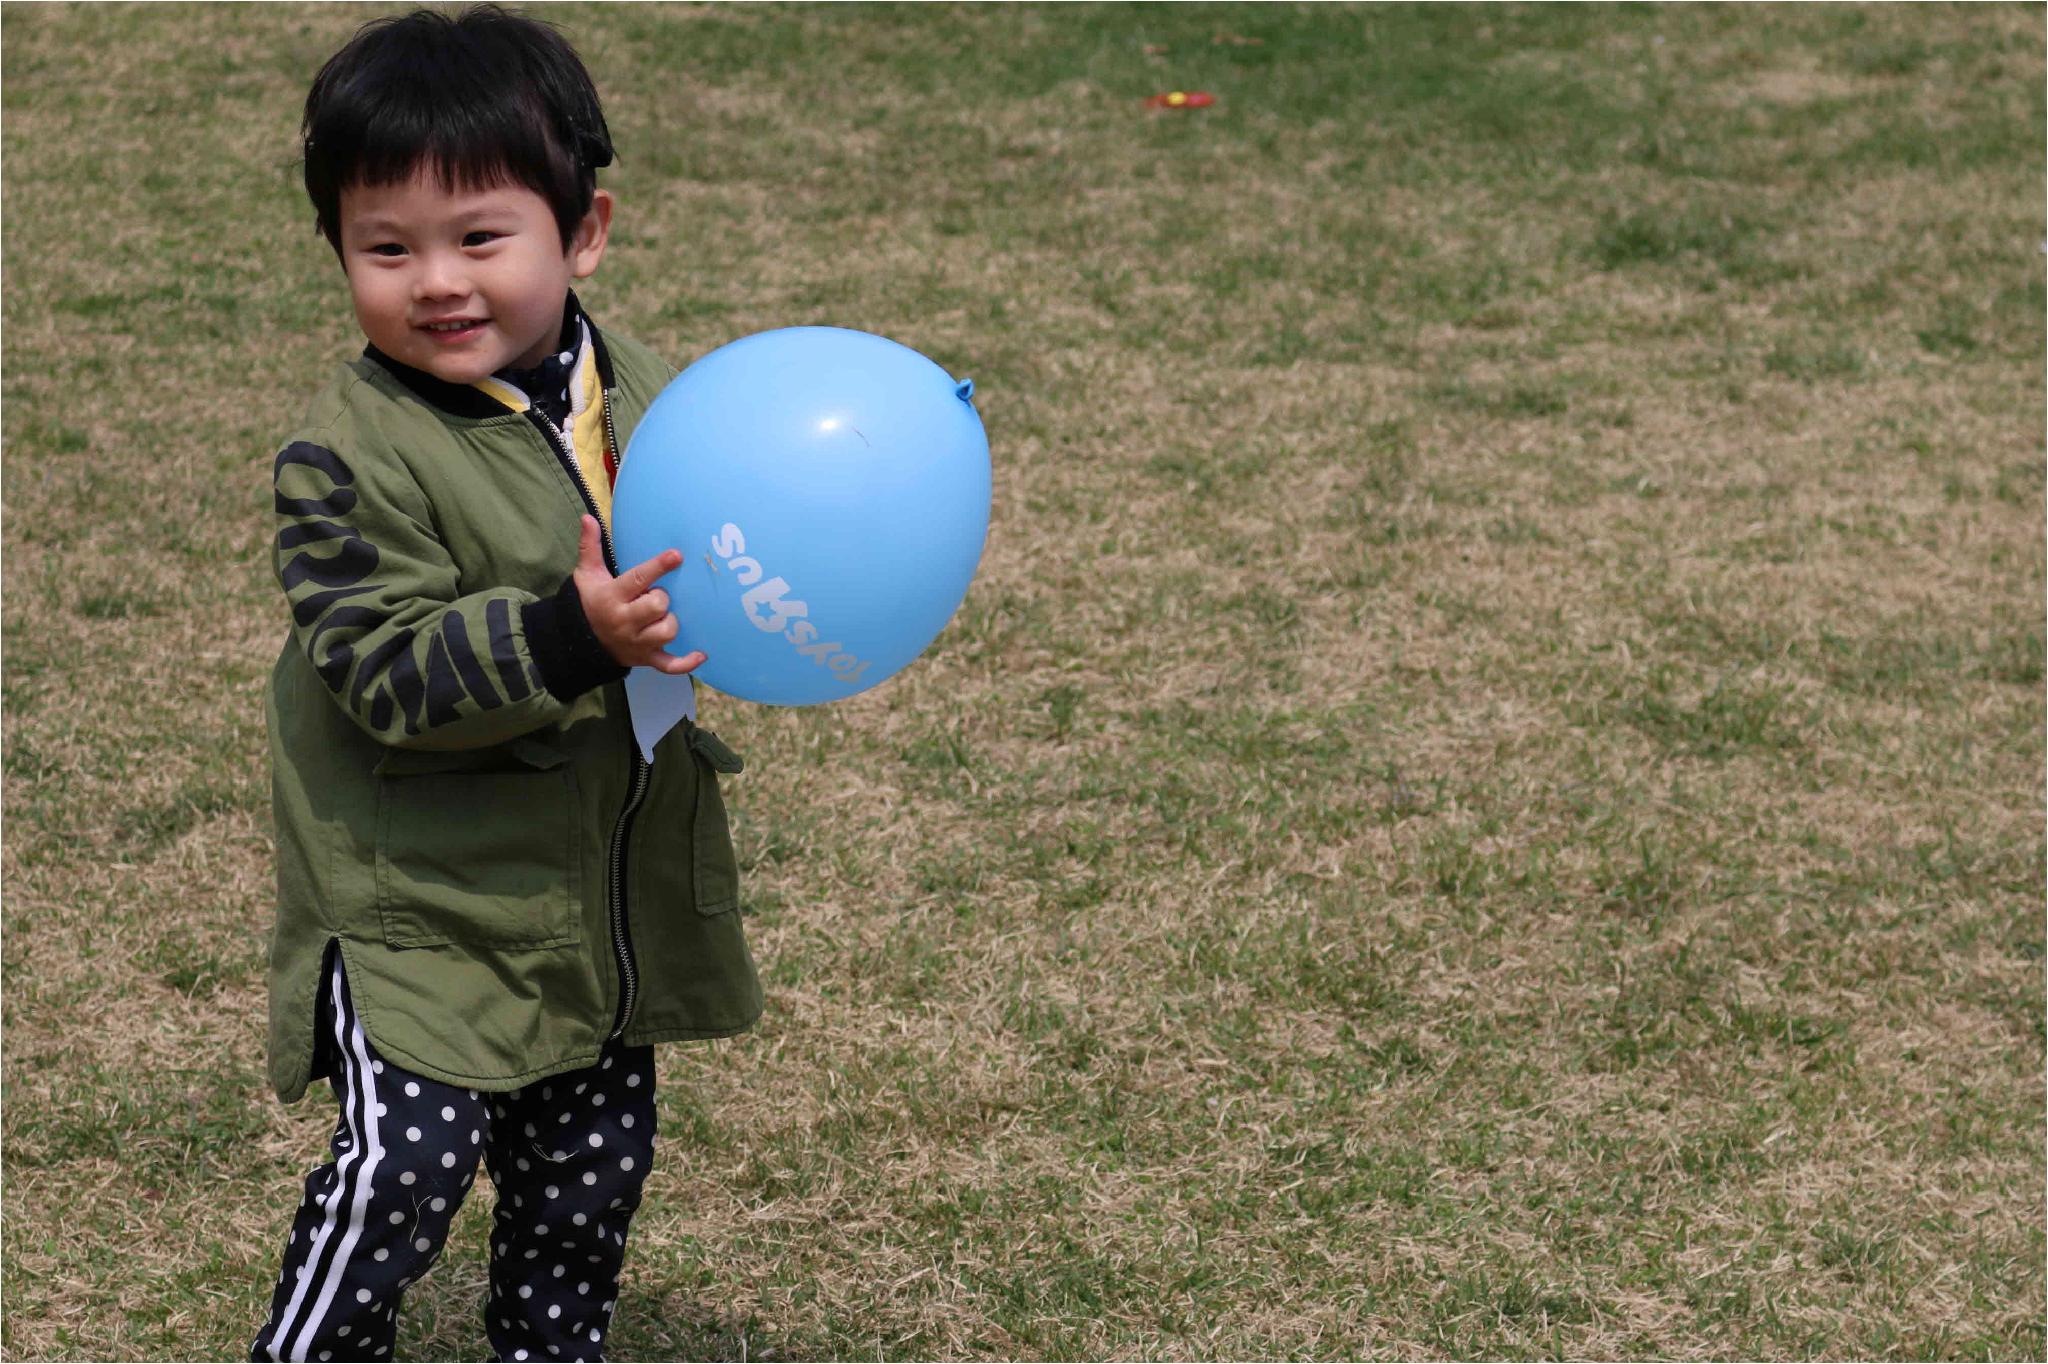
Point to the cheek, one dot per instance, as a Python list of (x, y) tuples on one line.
[(376, 297)]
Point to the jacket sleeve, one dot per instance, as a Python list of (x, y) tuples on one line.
[(378, 607)]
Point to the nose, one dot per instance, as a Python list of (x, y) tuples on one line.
[(441, 274)]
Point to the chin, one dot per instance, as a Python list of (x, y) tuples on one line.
[(457, 370)]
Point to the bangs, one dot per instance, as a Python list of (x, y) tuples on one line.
[(459, 144)]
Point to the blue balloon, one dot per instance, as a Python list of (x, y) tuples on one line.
[(829, 492)]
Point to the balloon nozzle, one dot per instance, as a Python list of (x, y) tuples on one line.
[(965, 392)]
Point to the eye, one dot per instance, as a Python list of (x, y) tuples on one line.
[(386, 249), (480, 238)]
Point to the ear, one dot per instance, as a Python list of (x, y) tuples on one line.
[(586, 249)]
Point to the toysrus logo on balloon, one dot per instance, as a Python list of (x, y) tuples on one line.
[(829, 490), (768, 607)]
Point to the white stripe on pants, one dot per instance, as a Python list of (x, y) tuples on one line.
[(352, 1178)]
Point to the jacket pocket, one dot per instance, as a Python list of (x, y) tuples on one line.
[(479, 847), (714, 869)]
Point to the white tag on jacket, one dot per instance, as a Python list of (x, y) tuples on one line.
[(656, 700)]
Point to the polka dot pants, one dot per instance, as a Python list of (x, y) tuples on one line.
[(567, 1156)]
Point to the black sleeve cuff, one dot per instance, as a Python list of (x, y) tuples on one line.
[(565, 648)]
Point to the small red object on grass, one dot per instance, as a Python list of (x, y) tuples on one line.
[(1181, 99)]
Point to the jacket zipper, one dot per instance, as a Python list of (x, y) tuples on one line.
[(615, 892)]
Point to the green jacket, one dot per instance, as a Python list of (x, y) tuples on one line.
[(459, 803)]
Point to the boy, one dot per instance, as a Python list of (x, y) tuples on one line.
[(490, 907)]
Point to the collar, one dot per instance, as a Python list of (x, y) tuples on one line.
[(548, 384), (466, 400)]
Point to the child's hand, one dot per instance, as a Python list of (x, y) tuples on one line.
[(628, 614)]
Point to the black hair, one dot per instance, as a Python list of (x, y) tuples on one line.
[(484, 98)]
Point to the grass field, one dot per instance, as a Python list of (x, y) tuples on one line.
[(1487, 798)]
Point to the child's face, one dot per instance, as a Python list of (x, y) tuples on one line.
[(419, 257)]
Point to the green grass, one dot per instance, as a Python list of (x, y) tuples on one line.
[(1487, 797)]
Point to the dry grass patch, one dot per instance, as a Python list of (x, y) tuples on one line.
[(1486, 799)]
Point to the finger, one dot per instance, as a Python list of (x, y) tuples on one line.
[(641, 576), (660, 632), (675, 667), (589, 545), (641, 613)]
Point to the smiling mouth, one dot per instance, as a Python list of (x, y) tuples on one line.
[(445, 328)]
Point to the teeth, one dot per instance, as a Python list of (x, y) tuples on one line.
[(448, 326)]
